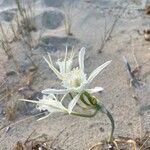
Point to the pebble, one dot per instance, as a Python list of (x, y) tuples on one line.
[(7, 129)]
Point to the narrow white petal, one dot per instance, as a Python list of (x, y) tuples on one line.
[(44, 117), (63, 97), (81, 58), (27, 100), (64, 66), (66, 53), (41, 102), (73, 103), (54, 69), (95, 90), (50, 59), (97, 71), (50, 105), (54, 91)]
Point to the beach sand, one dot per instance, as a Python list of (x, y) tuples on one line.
[(90, 20)]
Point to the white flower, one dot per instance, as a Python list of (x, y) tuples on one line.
[(74, 79), (65, 65), (49, 103)]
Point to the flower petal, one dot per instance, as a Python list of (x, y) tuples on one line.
[(55, 91), (97, 71), (44, 117), (49, 105), (64, 66), (73, 103), (95, 90), (54, 69), (81, 58)]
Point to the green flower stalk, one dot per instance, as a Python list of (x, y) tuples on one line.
[(109, 115), (91, 101)]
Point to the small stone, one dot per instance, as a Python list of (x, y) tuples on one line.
[(147, 34), (11, 73), (129, 124), (148, 10), (19, 146), (32, 68), (102, 129), (7, 129)]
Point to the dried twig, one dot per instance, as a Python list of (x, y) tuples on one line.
[(108, 33), (68, 18), (133, 80)]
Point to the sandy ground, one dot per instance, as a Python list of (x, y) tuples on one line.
[(130, 106)]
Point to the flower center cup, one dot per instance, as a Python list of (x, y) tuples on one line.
[(74, 79)]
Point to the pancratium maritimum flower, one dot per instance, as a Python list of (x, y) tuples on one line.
[(74, 79), (49, 103), (75, 83)]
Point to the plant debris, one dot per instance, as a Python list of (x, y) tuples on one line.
[(148, 10), (125, 143), (147, 34), (133, 74), (37, 143)]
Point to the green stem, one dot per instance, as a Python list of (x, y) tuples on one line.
[(84, 102), (111, 138), (89, 97), (109, 115), (85, 115)]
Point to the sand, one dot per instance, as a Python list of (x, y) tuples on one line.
[(130, 106)]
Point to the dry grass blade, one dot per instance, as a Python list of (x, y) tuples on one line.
[(3, 33), (25, 119), (133, 143), (27, 140), (145, 143), (68, 8), (96, 145), (115, 143), (133, 80), (10, 113), (108, 32)]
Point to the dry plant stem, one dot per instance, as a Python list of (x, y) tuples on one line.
[(133, 54), (98, 144), (115, 143), (124, 141), (13, 124), (18, 24), (133, 143), (27, 140), (6, 49), (15, 63), (27, 42), (131, 75), (8, 52), (13, 30), (108, 33), (19, 8), (32, 61), (145, 143), (68, 19), (3, 33), (68, 25)]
